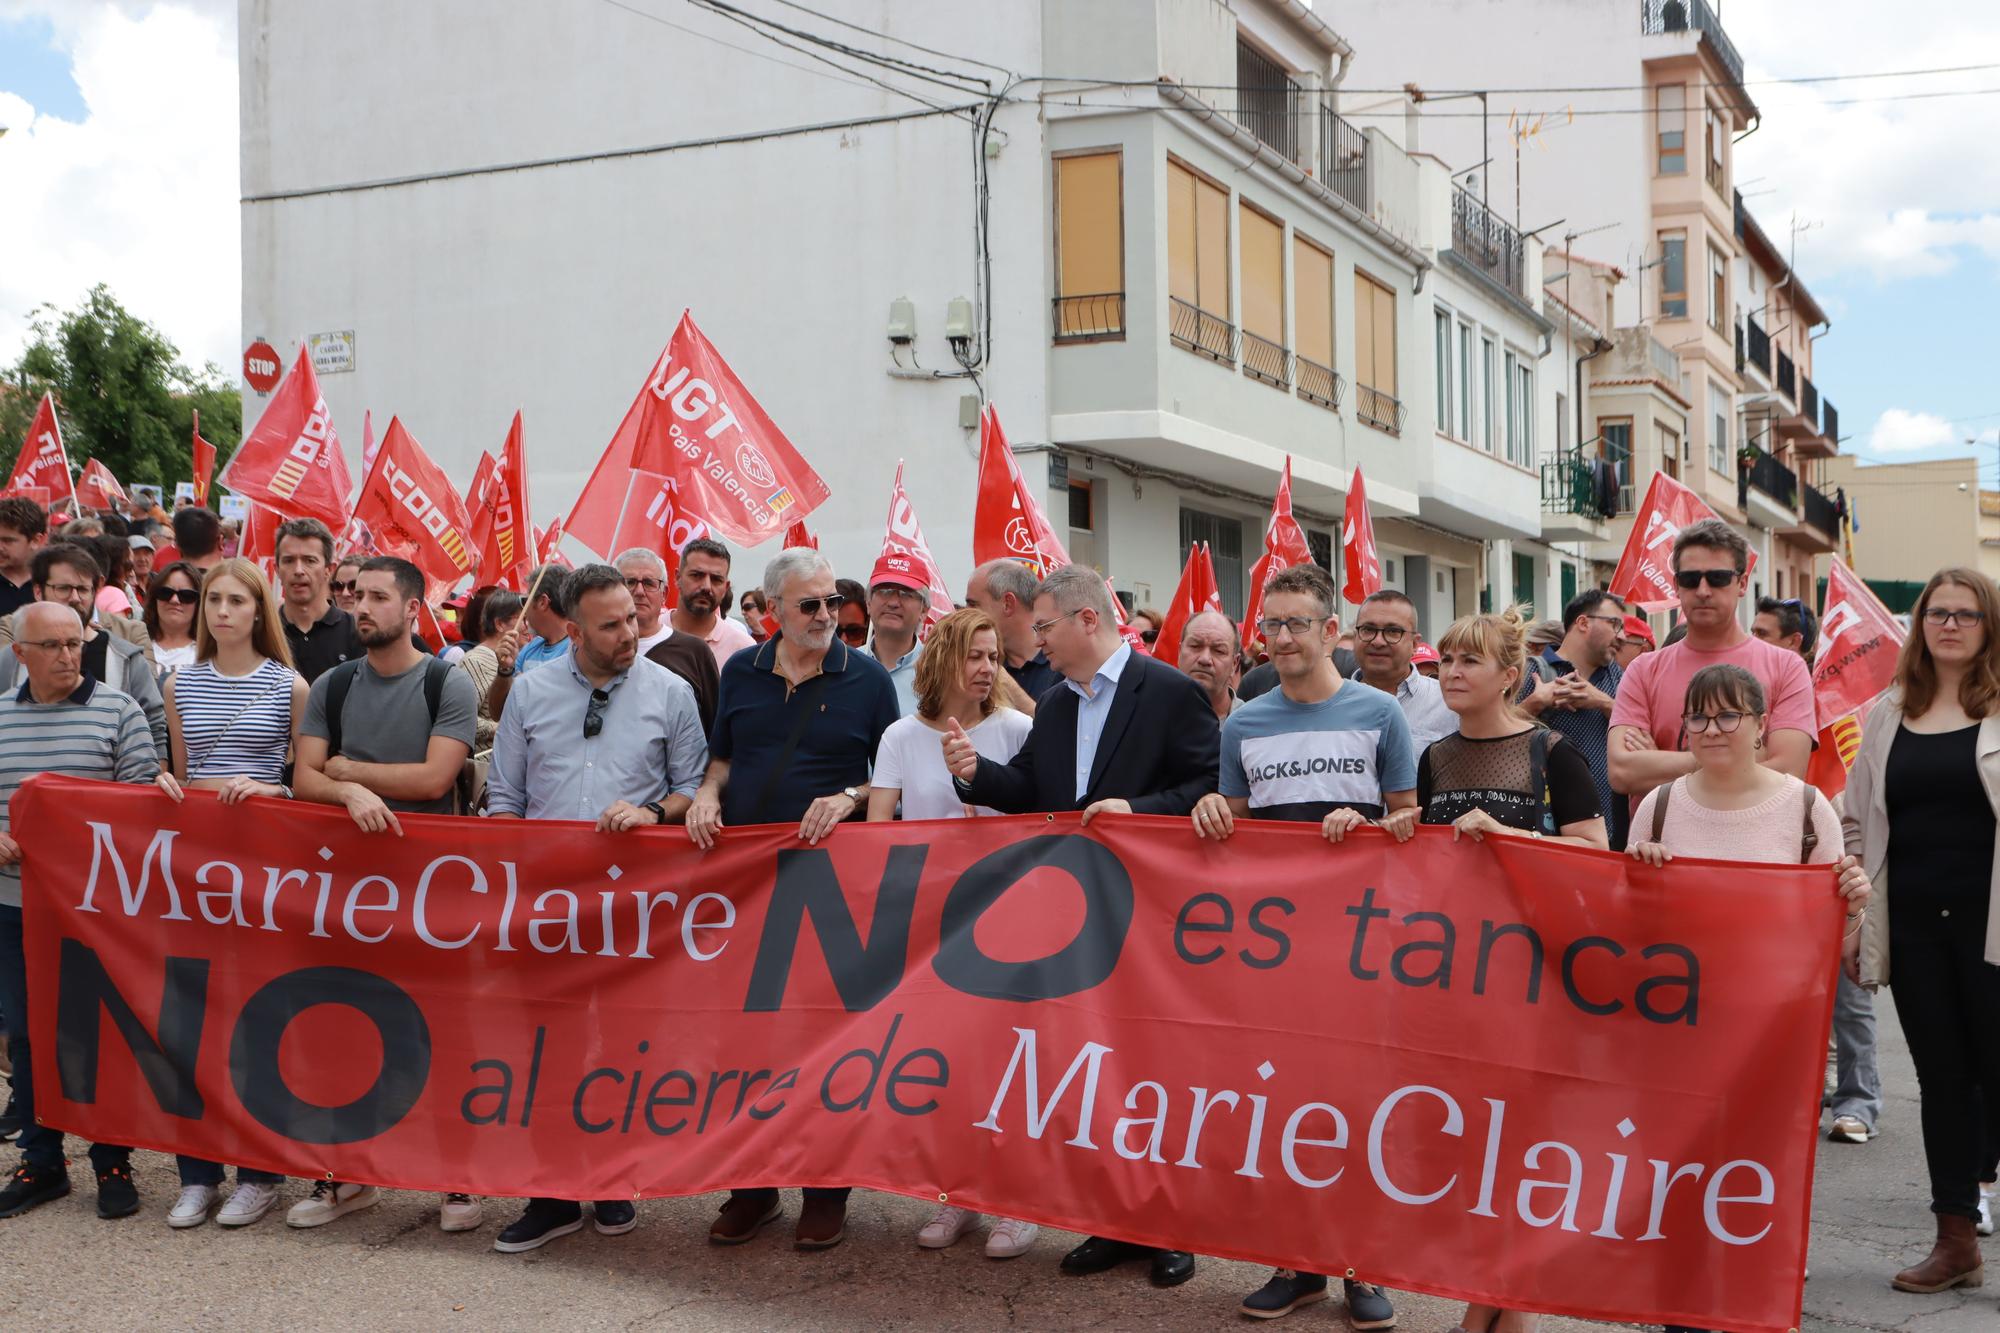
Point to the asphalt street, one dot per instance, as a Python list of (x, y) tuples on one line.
[(391, 1268)]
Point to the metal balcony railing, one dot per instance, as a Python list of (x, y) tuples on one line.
[(1267, 361), (1383, 411), (1200, 332), (1319, 384), (1787, 382), (1658, 16), (1770, 476), (1757, 346), (1808, 400), (1829, 421), (1490, 244), (1268, 100), (1739, 349), (1569, 488), (1100, 315), (1343, 158), (1822, 513)]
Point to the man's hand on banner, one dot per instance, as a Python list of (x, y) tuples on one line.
[(10, 851), (1339, 823), (1401, 824), (824, 815), (704, 818), (366, 808), (622, 815), (959, 756), (1110, 807), (1212, 818)]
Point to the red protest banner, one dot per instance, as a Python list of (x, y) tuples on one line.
[(291, 460), (412, 510), (1542, 1077), (1645, 573), (41, 463), (1357, 544), (1285, 545), (204, 463), (1196, 593)]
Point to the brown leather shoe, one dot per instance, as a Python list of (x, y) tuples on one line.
[(745, 1214), (1954, 1261), (822, 1223)]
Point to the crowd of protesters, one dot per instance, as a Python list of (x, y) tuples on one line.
[(143, 651)]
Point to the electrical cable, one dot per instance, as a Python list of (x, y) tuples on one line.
[(900, 41), (710, 37), (944, 78)]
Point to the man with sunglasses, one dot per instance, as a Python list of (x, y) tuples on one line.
[(1385, 642), (603, 735), (795, 731), (1648, 748), (1788, 623)]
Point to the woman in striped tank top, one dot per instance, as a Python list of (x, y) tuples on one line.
[(233, 720)]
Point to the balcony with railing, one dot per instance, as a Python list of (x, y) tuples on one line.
[(1571, 510), (1318, 384), (1816, 432), (1268, 100), (1201, 332), (1267, 361), (1088, 318), (1829, 424), (1808, 400), (1380, 409), (1299, 124), (1821, 518), (1343, 159), (1487, 243), (1670, 16), (1771, 478), (1787, 381), (1757, 346)]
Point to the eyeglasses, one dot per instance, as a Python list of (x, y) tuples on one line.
[(344, 585), (810, 606), (56, 645), (1717, 578), (593, 716), (893, 590), (1616, 622), (1386, 633), (1295, 626), (1041, 627), (853, 633), (1724, 722), (69, 589), (645, 585), (185, 596), (1940, 617)]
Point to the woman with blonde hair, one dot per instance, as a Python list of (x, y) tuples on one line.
[(956, 684), (232, 720), (1920, 813)]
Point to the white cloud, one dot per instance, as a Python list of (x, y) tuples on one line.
[(142, 194), (1885, 189), (1900, 431)]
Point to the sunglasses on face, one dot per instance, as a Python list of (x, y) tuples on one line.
[(810, 606), (344, 585), (1716, 578), (854, 633), (1149, 636), (593, 716), (185, 596)]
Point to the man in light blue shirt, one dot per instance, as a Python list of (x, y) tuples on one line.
[(1093, 709), (1385, 639), (605, 735), (899, 600), (543, 617)]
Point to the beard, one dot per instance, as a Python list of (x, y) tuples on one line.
[(701, 603), (376, 635), (815, 638)]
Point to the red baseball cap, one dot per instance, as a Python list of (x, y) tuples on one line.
[(1636, 628), (1424, 653), (901, 570)]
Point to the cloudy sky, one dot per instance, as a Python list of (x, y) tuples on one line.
[(120, 166)]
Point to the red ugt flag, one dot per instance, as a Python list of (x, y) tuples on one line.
[(42, 462), (1007, 524), (1357, 543), (291, 461), (1858, 644), (98, 489), (696, 424), (204, 463), (413, 511), (906, 556), (1285, 545), (798, 534), (1645, 574), (1197, 593)]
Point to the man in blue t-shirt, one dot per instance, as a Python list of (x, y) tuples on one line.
[(1317, 748)]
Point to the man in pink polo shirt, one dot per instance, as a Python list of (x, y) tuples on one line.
[(1648, 747)]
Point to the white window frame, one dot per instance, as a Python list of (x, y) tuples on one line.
[(1720, 410), (1442, 325), (1488, 371), (1464, 349)]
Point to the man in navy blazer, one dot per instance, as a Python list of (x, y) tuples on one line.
[(1123, 734)]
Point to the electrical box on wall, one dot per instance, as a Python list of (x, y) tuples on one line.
[(902, 321)]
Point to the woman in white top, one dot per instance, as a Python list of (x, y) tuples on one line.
[(955, 687), (169, 614), (233, 719)]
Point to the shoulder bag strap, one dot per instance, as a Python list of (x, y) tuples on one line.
[(1538, 780), (339, 681), (1660, 808), (803, 700), (194, 764), (1808, 836)]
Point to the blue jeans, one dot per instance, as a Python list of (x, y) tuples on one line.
[(1859, 1087), (195, 1171), (40, 1145)]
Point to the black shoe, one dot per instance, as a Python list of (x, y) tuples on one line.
[(10, 1121), (541, 1222), (1171, 1268), (117, 1196), (1367, 1307), (1098, 1255), (31, 1187), (1284, 1293), (614, 1217)]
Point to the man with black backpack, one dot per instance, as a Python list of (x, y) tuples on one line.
[(383, 734)]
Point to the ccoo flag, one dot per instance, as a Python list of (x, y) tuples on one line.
[(291, 461), (412, 511)]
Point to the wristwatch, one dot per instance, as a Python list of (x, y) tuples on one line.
[(852, 793), (659, 811)]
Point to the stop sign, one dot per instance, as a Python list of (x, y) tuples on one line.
[(261, 367)]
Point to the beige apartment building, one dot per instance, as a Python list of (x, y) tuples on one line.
[(1913, 519)]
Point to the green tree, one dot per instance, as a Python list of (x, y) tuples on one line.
[(122, 394)]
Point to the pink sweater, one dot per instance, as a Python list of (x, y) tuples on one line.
[(1769, 831)]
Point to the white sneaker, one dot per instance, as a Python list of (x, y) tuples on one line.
[(248, 1204), (1985, 1224), (460, 1212), (191, 1209), (1010, 1238), (1849, 1129), (329, 1201), (947, 1224)]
